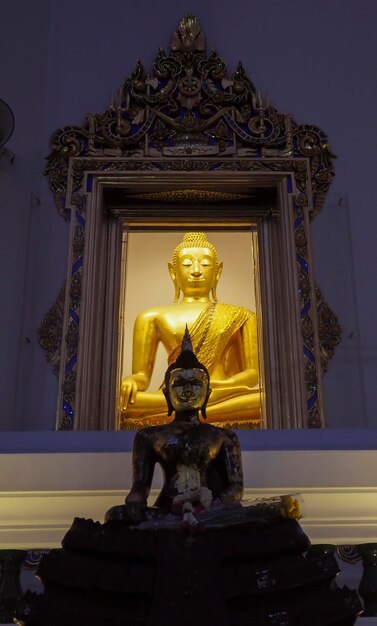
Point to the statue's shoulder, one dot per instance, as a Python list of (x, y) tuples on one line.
[(232, 436), (226, 433), (150, 431), (234, 310), (232, 307), (147, 437), (154, 313)]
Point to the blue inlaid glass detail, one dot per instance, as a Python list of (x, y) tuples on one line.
[(33, 558), (289, 184), (298, 221), (309, 354), (74, 315), (80, 219), (76, 266), (312, 400), (68, 410), (305, 309), (72, 361), (89, 183), (301, 261)]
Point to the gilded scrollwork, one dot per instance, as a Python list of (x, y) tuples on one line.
[(189, 104), (50, 331), (191, 195), (330, 331)]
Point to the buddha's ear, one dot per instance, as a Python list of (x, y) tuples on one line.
[(175, 281), (203, 409), (216, 280), (168, 401)]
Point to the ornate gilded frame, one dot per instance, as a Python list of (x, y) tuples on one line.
[(189, 129)]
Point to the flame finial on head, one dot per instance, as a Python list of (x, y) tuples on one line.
[(186, 341)]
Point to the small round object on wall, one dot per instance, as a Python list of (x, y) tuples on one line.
[(6, 122)]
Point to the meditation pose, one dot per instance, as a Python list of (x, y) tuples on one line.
[(201, 463), (224, 338)]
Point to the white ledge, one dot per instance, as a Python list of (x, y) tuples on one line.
[(40, 494)]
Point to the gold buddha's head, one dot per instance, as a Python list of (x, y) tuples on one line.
[(195, 268)]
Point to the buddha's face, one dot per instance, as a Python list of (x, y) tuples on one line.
[(196, 271), (187, 389)]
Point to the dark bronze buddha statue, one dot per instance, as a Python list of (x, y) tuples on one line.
[(201, 463)]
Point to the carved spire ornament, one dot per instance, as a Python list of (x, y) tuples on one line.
[(190, 105)]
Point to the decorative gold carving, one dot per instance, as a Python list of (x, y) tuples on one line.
[(191, 195), (189, 105), (330, 331), (137, 424), (188, 36), (50, 331)]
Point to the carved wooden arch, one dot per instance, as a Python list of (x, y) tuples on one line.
[(177, 130)]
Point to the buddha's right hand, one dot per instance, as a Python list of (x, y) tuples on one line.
[(129, 388), (128, 391)]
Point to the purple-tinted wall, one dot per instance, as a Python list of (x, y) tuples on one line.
[(60, 60)]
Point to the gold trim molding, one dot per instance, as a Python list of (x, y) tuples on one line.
[(191, 195)]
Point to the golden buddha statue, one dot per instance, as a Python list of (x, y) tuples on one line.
[(224, 338)]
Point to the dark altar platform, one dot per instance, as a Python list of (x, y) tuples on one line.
[(252, 573)]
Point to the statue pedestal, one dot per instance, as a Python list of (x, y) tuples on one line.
[(252, 572)]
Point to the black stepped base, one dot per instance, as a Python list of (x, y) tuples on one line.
[(253, 574)]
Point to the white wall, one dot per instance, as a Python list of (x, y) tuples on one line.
[(40, 494), (60, 60)]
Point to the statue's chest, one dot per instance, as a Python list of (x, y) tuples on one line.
[(174, 320), (190, 448)]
